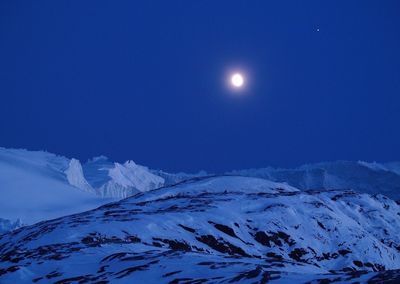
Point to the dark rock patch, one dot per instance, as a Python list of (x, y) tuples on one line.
[(358, 263), (171, 273), (247, 275), (274, 255), (187, 228), (180, 280), (96, 240), (9, 269), (175, 245), (297, 254), (221, 246), (321, 225), (273, 237), (343, 252), (53, 274), (225, 229)]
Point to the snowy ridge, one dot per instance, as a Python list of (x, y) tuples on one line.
[(174, 178), (360, 176), (222, 229), (75, 176), (393, 167), (131, 175), (117, 180)]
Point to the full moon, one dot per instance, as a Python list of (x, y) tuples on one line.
[(237, 80)]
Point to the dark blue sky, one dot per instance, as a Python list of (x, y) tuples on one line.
[(145, 81)]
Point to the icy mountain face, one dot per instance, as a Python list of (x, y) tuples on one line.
[(34, 187), (222, 229), (75, 176), (360, 176), (136, 176), (96, 171), (119, 180)]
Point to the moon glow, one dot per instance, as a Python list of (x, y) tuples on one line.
[(237, 80)]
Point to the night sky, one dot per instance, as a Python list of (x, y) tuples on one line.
[(147, 81)]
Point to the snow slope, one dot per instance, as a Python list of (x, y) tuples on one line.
[(222, 229), (33, 187), (36, 185)]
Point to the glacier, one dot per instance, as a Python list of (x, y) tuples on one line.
[(34, 187), (37, 185)]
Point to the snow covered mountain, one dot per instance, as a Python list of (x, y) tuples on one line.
[(33, 187), (36, 185), (360, 176), (119, 180), (223, 229)]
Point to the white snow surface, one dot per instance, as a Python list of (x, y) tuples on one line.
[(221, 229), (37, 185), (136, 176), (33, 187)]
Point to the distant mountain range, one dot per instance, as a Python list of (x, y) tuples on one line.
[(37, 185), (372, 178)]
